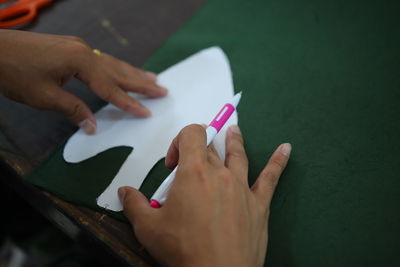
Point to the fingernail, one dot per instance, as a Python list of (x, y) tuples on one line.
[(235, 129), (143, 113), (88, 126), (139, 111), (151, 75), (163, 90), (159, 91), (121, 194), (286, 148)]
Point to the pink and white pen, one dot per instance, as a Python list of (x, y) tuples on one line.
[(159, 197)]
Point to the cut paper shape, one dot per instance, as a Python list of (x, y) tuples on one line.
[(198, 87)]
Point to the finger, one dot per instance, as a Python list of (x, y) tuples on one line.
[(57, 99), (71, 38), (213, 156), (171, 160), (150, 76), (192, 145), (119, 98), (134, 79), (266, 183), (105, 86), (236, 158), (135, 204), (183, 142), (147, 88), (143, 83)]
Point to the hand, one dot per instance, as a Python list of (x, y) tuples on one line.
[(211, 216), (34, 67)]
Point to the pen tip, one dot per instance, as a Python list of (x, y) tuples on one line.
[(236, 99), (155, 204)]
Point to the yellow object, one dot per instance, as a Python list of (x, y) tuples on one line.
[(97, 52)]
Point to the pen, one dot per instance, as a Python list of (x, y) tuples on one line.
[(159, 197)]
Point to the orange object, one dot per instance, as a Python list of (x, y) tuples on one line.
[(20, 12)]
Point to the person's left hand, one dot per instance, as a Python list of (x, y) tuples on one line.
[(34, 67)]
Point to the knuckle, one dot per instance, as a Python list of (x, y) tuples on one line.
[(277, 163), (263, 210), (196, 170), (75, 111), (193, 128), (213, 156), (77, 49), (236, 153), (109, 94), (270, 178), (225, 175), (238, 138), (190, 130), (127, 107), (80, 48), (49, 100), (130, 84)]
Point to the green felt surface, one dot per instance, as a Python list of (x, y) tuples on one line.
[(323, 75)]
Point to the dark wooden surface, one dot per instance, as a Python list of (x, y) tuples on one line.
[(130, 30)]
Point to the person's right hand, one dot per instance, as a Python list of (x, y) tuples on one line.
[(211, 216), (34, 67)]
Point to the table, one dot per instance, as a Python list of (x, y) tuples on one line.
[(130, 30), (323, 75)]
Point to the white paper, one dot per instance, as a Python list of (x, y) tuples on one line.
[(198, 87)]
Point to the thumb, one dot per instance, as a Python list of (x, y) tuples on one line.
[(135, 204), (72, 107)]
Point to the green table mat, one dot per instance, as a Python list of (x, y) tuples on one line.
[(322, 75)]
